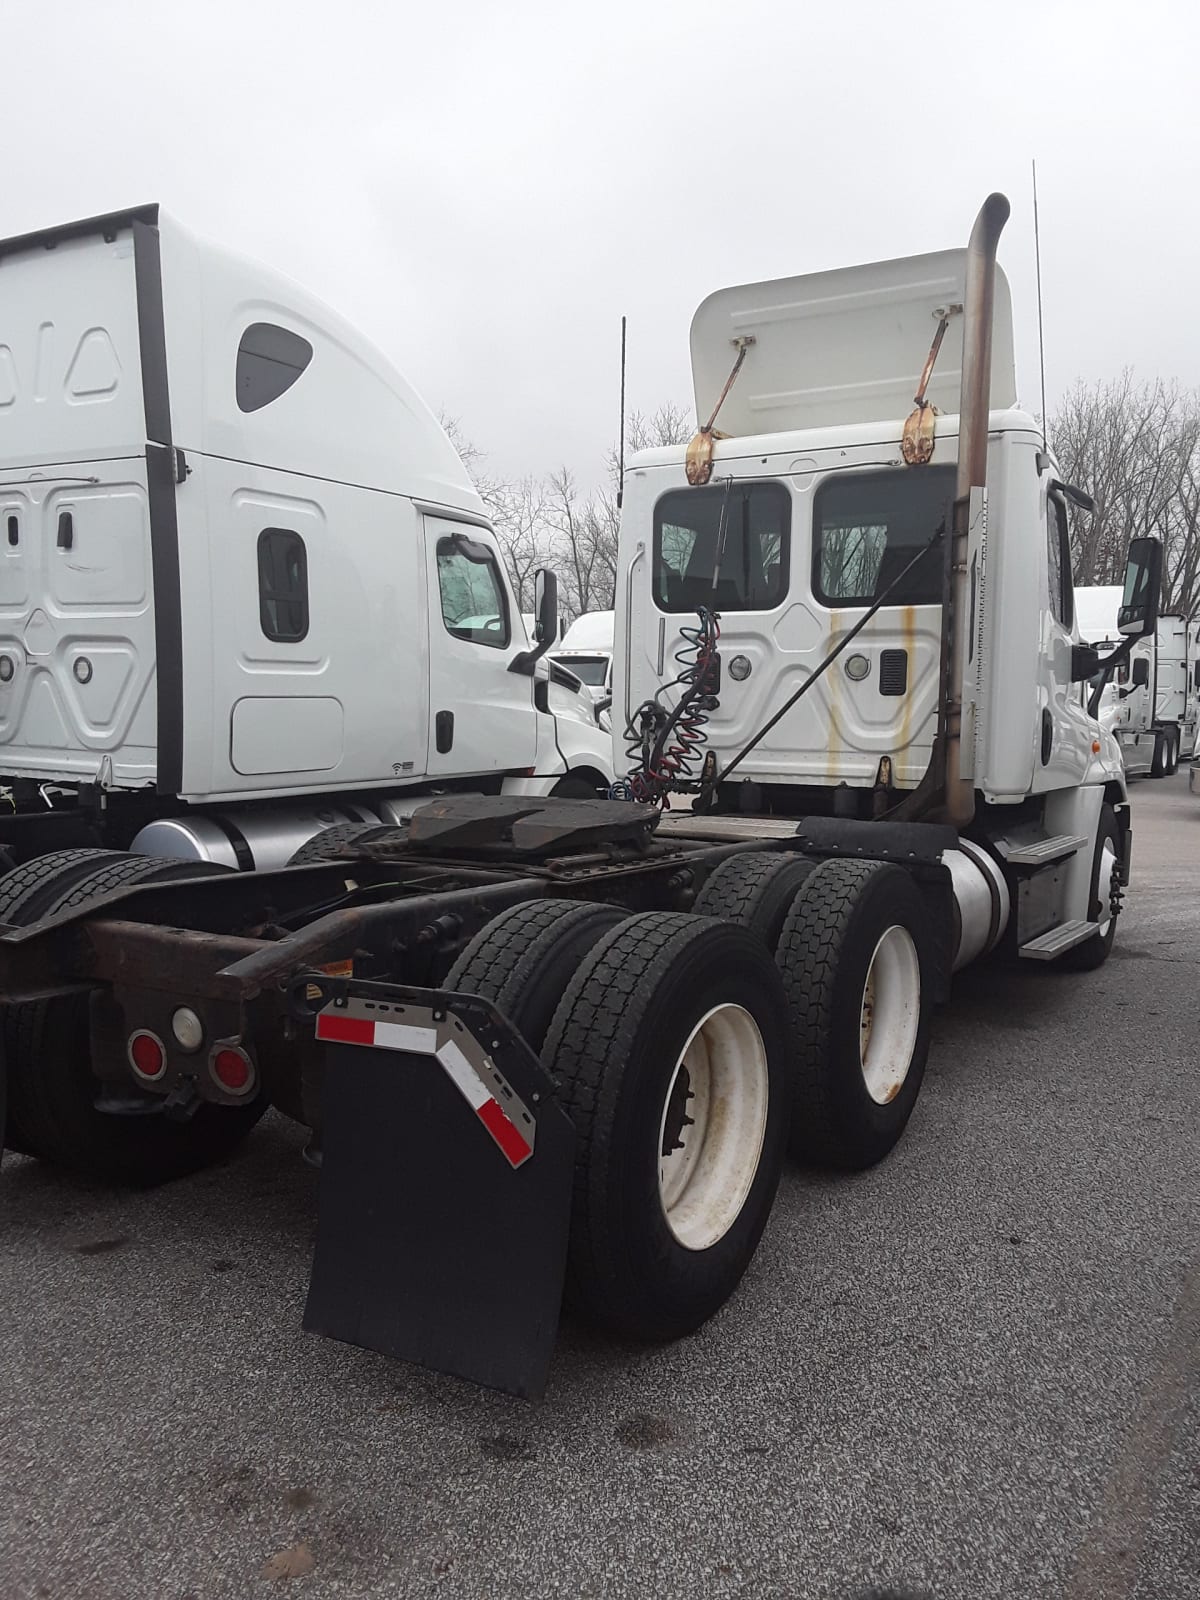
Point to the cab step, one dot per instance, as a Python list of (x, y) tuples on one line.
[(1043, 851), (1065, 937)]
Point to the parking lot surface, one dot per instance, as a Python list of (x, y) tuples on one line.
[(969, 1373)]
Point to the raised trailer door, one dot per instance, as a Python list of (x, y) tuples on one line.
[(481, 715)]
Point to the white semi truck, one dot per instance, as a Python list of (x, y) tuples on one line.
[(587, 651), (1152, 702), (540, 1042), (246, 585)]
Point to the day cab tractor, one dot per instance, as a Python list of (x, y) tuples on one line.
[(1152, 701), (550, 1044)]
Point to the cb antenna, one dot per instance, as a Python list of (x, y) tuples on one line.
[(1037, 256), (621, 445)]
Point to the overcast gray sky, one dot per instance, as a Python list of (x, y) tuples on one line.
[(485, 188)]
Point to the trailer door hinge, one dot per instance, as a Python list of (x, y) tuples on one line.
[(181, 466)]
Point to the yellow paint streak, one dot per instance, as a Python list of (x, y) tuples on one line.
[(908, 638)]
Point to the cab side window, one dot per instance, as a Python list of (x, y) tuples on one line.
[(282, 585), (1058, 549), (474, 604)]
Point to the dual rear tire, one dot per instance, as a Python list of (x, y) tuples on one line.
[(689, 1050), (850, 939), (668, 1035)]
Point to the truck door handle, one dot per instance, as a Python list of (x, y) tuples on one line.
[(629, 571), (1047, 735), (66, 530), (443, 731)]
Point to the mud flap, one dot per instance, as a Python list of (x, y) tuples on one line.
[(445, 1185)]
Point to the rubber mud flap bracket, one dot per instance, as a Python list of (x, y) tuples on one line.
[(445, 1188)]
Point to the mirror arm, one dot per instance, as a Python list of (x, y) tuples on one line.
[(1078, 497), (1108, 666), (525, 661)]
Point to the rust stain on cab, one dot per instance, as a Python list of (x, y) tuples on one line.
[(908, 639)]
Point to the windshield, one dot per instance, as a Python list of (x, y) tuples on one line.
[(593, 670)]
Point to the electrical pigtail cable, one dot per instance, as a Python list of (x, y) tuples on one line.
[(663, 744), (709, 788)]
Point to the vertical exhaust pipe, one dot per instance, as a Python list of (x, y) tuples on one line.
[(973, 418)]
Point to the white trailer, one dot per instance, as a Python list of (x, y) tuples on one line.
[(526, 1059), (1151, 704)]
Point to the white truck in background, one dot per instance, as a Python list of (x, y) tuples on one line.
[(587, 651), (286, 609), (539, 1043), (1152, 703)]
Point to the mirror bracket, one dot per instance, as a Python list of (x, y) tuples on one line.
[(1085, 662)]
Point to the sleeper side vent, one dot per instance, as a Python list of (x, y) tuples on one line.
[(893, 672)]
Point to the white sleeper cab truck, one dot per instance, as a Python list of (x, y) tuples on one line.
[(554, 1046), (246, 585), (587, 650), (1152, 700)]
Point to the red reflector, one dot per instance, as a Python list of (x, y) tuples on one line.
[(148, 1057), (232, 1070)]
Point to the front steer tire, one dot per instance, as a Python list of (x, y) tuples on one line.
[(649, 988), (1094, 952)]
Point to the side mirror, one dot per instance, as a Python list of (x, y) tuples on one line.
[(1141, 673), (545, 626), (1138, 615), (545, 607)]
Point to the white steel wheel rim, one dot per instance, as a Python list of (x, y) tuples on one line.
[(1104, 887), (890, 1015), (720, 1081)]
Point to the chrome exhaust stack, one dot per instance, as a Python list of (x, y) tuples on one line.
[(973, 420)]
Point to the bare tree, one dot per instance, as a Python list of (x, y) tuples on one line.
[(519, 519), (551, 521), (517, 510), (1135, 447), (575, 545), (597, 523)]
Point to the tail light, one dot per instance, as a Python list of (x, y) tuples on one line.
[(233, 1070), (146, 1055)]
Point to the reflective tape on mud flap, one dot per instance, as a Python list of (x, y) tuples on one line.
[(461, 1056)]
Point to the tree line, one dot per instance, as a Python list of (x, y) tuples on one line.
[(552, 522), (1133, 445)]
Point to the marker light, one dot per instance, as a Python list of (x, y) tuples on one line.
[(233, 1070), (146, 1055)]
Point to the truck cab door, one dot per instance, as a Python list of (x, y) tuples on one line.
[(1064, 743), (481, 715)]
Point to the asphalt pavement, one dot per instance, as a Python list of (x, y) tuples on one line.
[(971, 1374)]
